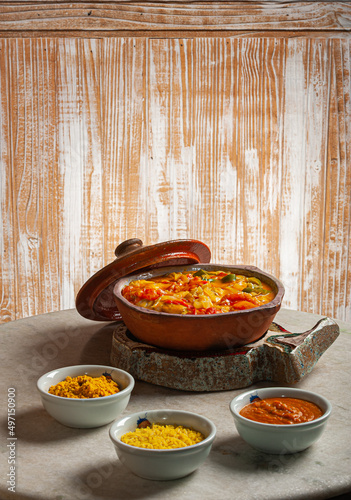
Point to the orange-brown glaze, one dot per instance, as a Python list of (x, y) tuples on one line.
[(281, 411)]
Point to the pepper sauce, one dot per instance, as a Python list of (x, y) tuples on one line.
[(282, 411)]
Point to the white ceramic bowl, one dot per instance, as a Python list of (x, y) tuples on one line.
[(163, 464), (280, 439), (85, 413)]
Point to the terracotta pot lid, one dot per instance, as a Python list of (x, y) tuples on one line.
[(95, 299)]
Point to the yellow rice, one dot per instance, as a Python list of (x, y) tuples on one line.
[(162, 437), (85, 387)]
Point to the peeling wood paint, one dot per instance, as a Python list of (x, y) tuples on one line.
[(205, 16), (241, 143)]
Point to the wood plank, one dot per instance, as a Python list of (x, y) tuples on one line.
[(31, 109), (293, 170), (204, 139), (250, 150), (336, 294), (91, 128), (44, 162), (8, 255), (79, 161), (187, 33), (315, 109), (247, 108), (271, 128), (60, 17), (225, 221), (170, 190), (124, 130)]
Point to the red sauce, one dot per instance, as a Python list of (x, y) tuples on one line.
[(281, 411)]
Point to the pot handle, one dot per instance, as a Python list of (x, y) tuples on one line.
[(325, 327)]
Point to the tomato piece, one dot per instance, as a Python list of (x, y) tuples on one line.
[(177, 301), (150, 294), (233, 298), (211, 310)]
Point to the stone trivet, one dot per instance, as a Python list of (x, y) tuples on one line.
[(279, 356)]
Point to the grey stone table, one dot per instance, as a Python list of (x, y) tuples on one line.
[(54, 462)]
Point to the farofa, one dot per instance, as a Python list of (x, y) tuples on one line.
[(162, 437), (85, 387)]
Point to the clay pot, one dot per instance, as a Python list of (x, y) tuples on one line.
[(199, 332)]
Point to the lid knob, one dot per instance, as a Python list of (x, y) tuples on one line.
[(128, 246)]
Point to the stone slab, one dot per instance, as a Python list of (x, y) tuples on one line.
[(55, 462), (280, 356)]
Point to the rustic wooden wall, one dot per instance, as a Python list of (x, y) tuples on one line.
[(226, 122)]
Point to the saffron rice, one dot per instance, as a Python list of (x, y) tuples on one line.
[(162, 437), (85, 387)]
